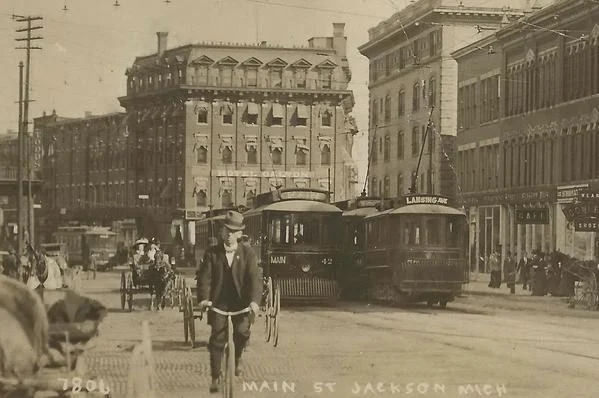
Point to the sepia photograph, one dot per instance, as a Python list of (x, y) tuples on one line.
[(299, 198)]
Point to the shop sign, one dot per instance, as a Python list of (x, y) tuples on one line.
[(263, 174), (580, 210), (511, 197), (568, 193), (587, 225), (532, 216), (588, 196)]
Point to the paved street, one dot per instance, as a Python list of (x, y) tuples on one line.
[(481, 345)]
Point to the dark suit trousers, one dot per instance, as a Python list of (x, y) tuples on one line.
[(218, 338)]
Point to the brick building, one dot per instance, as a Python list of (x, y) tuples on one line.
[(84, 166), (214, 124), (529, 134), (412, 73)]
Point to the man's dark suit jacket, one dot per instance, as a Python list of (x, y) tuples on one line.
[(246, 275)]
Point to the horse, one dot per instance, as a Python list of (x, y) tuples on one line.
[(25, 330), (159, 277)]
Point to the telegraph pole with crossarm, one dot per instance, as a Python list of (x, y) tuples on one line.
[(25, 120)]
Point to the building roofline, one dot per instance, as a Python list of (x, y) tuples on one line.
[(83, 119), (538, 16), (397, 24), (233, 45)]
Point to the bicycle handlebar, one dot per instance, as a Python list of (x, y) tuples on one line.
[(226, 313)]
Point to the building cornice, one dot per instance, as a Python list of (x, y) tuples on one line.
[(548, 18), (211, 91), (398, 23)]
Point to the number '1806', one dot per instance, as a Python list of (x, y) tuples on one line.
[(77, 384)]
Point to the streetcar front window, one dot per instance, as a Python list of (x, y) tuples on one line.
[(301, 229)]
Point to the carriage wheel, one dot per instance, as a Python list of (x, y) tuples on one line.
[(172, 291), (185, 324), (123, 290), (268, 309), (129, 292), (181, 292), (590, 291), (192, 322), (277, 313)]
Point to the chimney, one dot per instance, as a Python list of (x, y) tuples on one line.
[(161, 42), (339, 40), (338, 29)]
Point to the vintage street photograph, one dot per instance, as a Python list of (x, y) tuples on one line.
[(299, 198)]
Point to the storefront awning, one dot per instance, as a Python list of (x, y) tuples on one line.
[(277, 110), (302, 111), (253, 108)]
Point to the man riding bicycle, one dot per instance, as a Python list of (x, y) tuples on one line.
[(229, 279)]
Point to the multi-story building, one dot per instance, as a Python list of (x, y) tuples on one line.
[(528, 141), (214, 124), (84, 171), (412, 85)]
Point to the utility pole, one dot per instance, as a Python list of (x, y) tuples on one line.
[(20, 167), (25, 120)]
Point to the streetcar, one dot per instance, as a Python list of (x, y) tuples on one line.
[(416, 251), (84, 241), (353, 237), (295, 233)]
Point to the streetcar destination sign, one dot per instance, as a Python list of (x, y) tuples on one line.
[(428, 200), (532, 216)]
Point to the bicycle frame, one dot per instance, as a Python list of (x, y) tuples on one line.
[(229, 351)]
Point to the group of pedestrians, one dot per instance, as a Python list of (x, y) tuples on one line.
[(538, 272)]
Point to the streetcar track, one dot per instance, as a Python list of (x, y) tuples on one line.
[(497, 353)]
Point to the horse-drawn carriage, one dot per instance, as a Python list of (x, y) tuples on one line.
[(146, 275), (42, 342), (586, 290)]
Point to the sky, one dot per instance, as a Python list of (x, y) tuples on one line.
[(86, 49)]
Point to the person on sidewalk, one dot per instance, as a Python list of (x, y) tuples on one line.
[(495, 267), (510, 272), (229, 279), (524, 270)]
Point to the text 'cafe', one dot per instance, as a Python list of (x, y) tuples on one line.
[(524, 220)]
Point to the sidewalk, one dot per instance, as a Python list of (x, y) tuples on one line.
[(479, 285)]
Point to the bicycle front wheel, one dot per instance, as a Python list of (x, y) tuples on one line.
[(228, 362)]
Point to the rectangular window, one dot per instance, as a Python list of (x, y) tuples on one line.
[(388, 109), (201, 73), (300, 78), (276, 77), (416, 97), (400, 145), (387, 151), (326, 78), (415, 140), (251, 77), (226, 77), (401, 103), (432, 96)]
